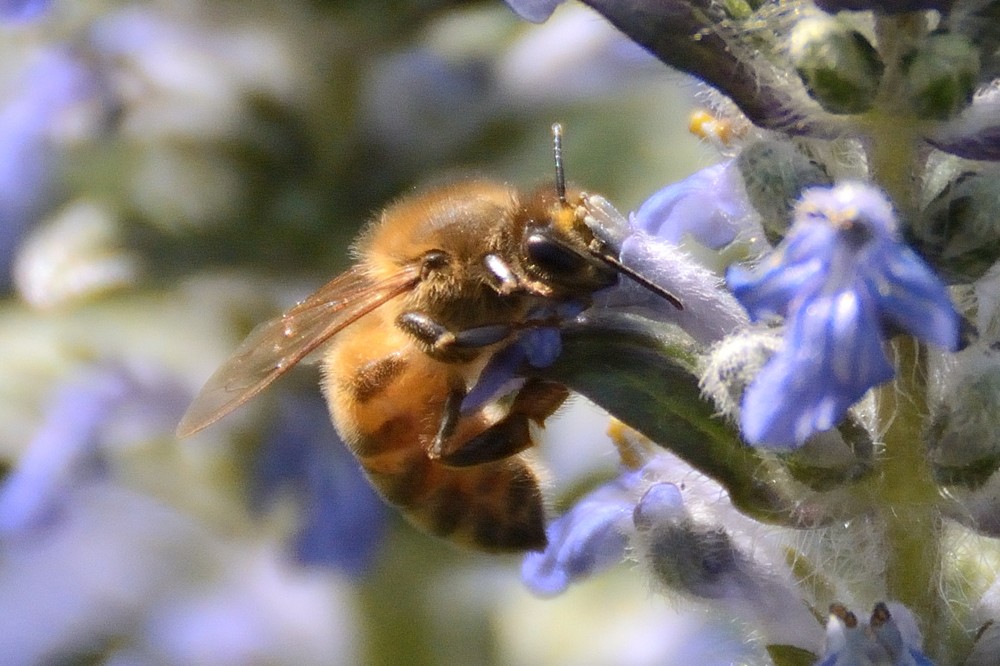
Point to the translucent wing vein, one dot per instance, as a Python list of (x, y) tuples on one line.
[(275, 346)]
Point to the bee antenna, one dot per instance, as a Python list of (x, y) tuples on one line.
[(557, 154)]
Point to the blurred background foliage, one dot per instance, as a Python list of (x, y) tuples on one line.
[(173, 172)]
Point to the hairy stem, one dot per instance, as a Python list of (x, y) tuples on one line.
[(906, 497)]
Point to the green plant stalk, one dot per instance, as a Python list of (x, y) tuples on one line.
[(903, 491), (906, 498)]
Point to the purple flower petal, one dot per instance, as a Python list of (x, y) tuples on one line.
[(975, 133), (342, 518), (834, 355), (535, 11), (80, 425), (22, 10), (708, 205), (916, 301), (53, 83), (590, 537), (841, 278)]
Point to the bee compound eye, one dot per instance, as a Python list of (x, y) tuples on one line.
[(551, 255)]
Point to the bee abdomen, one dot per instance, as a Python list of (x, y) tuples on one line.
[(496, 506), (375, 376)]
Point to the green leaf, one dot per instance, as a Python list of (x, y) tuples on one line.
[(789, 655), (644, 373)]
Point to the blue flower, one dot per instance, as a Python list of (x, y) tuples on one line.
[(844, 281), (53, 83), (342, 519), (709, 206), (884, 642), (22, 10), (591, 537), (76, 435), (535, 11)]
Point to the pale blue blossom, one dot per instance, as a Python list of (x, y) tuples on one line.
[(844, 282), (590, 537), (709, 205), (343, 520), (30, 111), (22, 10)]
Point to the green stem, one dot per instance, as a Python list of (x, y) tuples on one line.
[(893, 133), (906, 497), (903, 492)]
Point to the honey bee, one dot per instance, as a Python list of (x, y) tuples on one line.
[(444, 280)]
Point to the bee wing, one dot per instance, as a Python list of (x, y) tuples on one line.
[(273, 347)]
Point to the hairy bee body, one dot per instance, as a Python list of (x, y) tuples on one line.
[(386, 397), (387, 391), (444, 280)]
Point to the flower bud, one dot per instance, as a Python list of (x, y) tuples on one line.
[(959, 230), (775, 173), (941, 75), (740, 9), (961, 438), (838, 66), (731, 365), (697, 559)]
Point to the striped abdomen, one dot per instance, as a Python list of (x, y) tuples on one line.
[(386, 398)]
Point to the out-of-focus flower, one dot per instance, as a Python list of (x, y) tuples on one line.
[(87, 415), (572, 57), (844, 282), (342, 520), (29, 114), (534, 10), (410, 100), (22, 10), (73, 256), (587, 539)]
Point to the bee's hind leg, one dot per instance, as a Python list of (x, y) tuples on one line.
[(481, 437)]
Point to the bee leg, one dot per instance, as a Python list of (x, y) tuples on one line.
[(478, 438), (439, 337)]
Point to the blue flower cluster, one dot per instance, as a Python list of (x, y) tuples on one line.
[(851, 220)]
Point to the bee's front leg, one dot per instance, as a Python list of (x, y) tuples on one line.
[(482, 436), (440, 338)]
